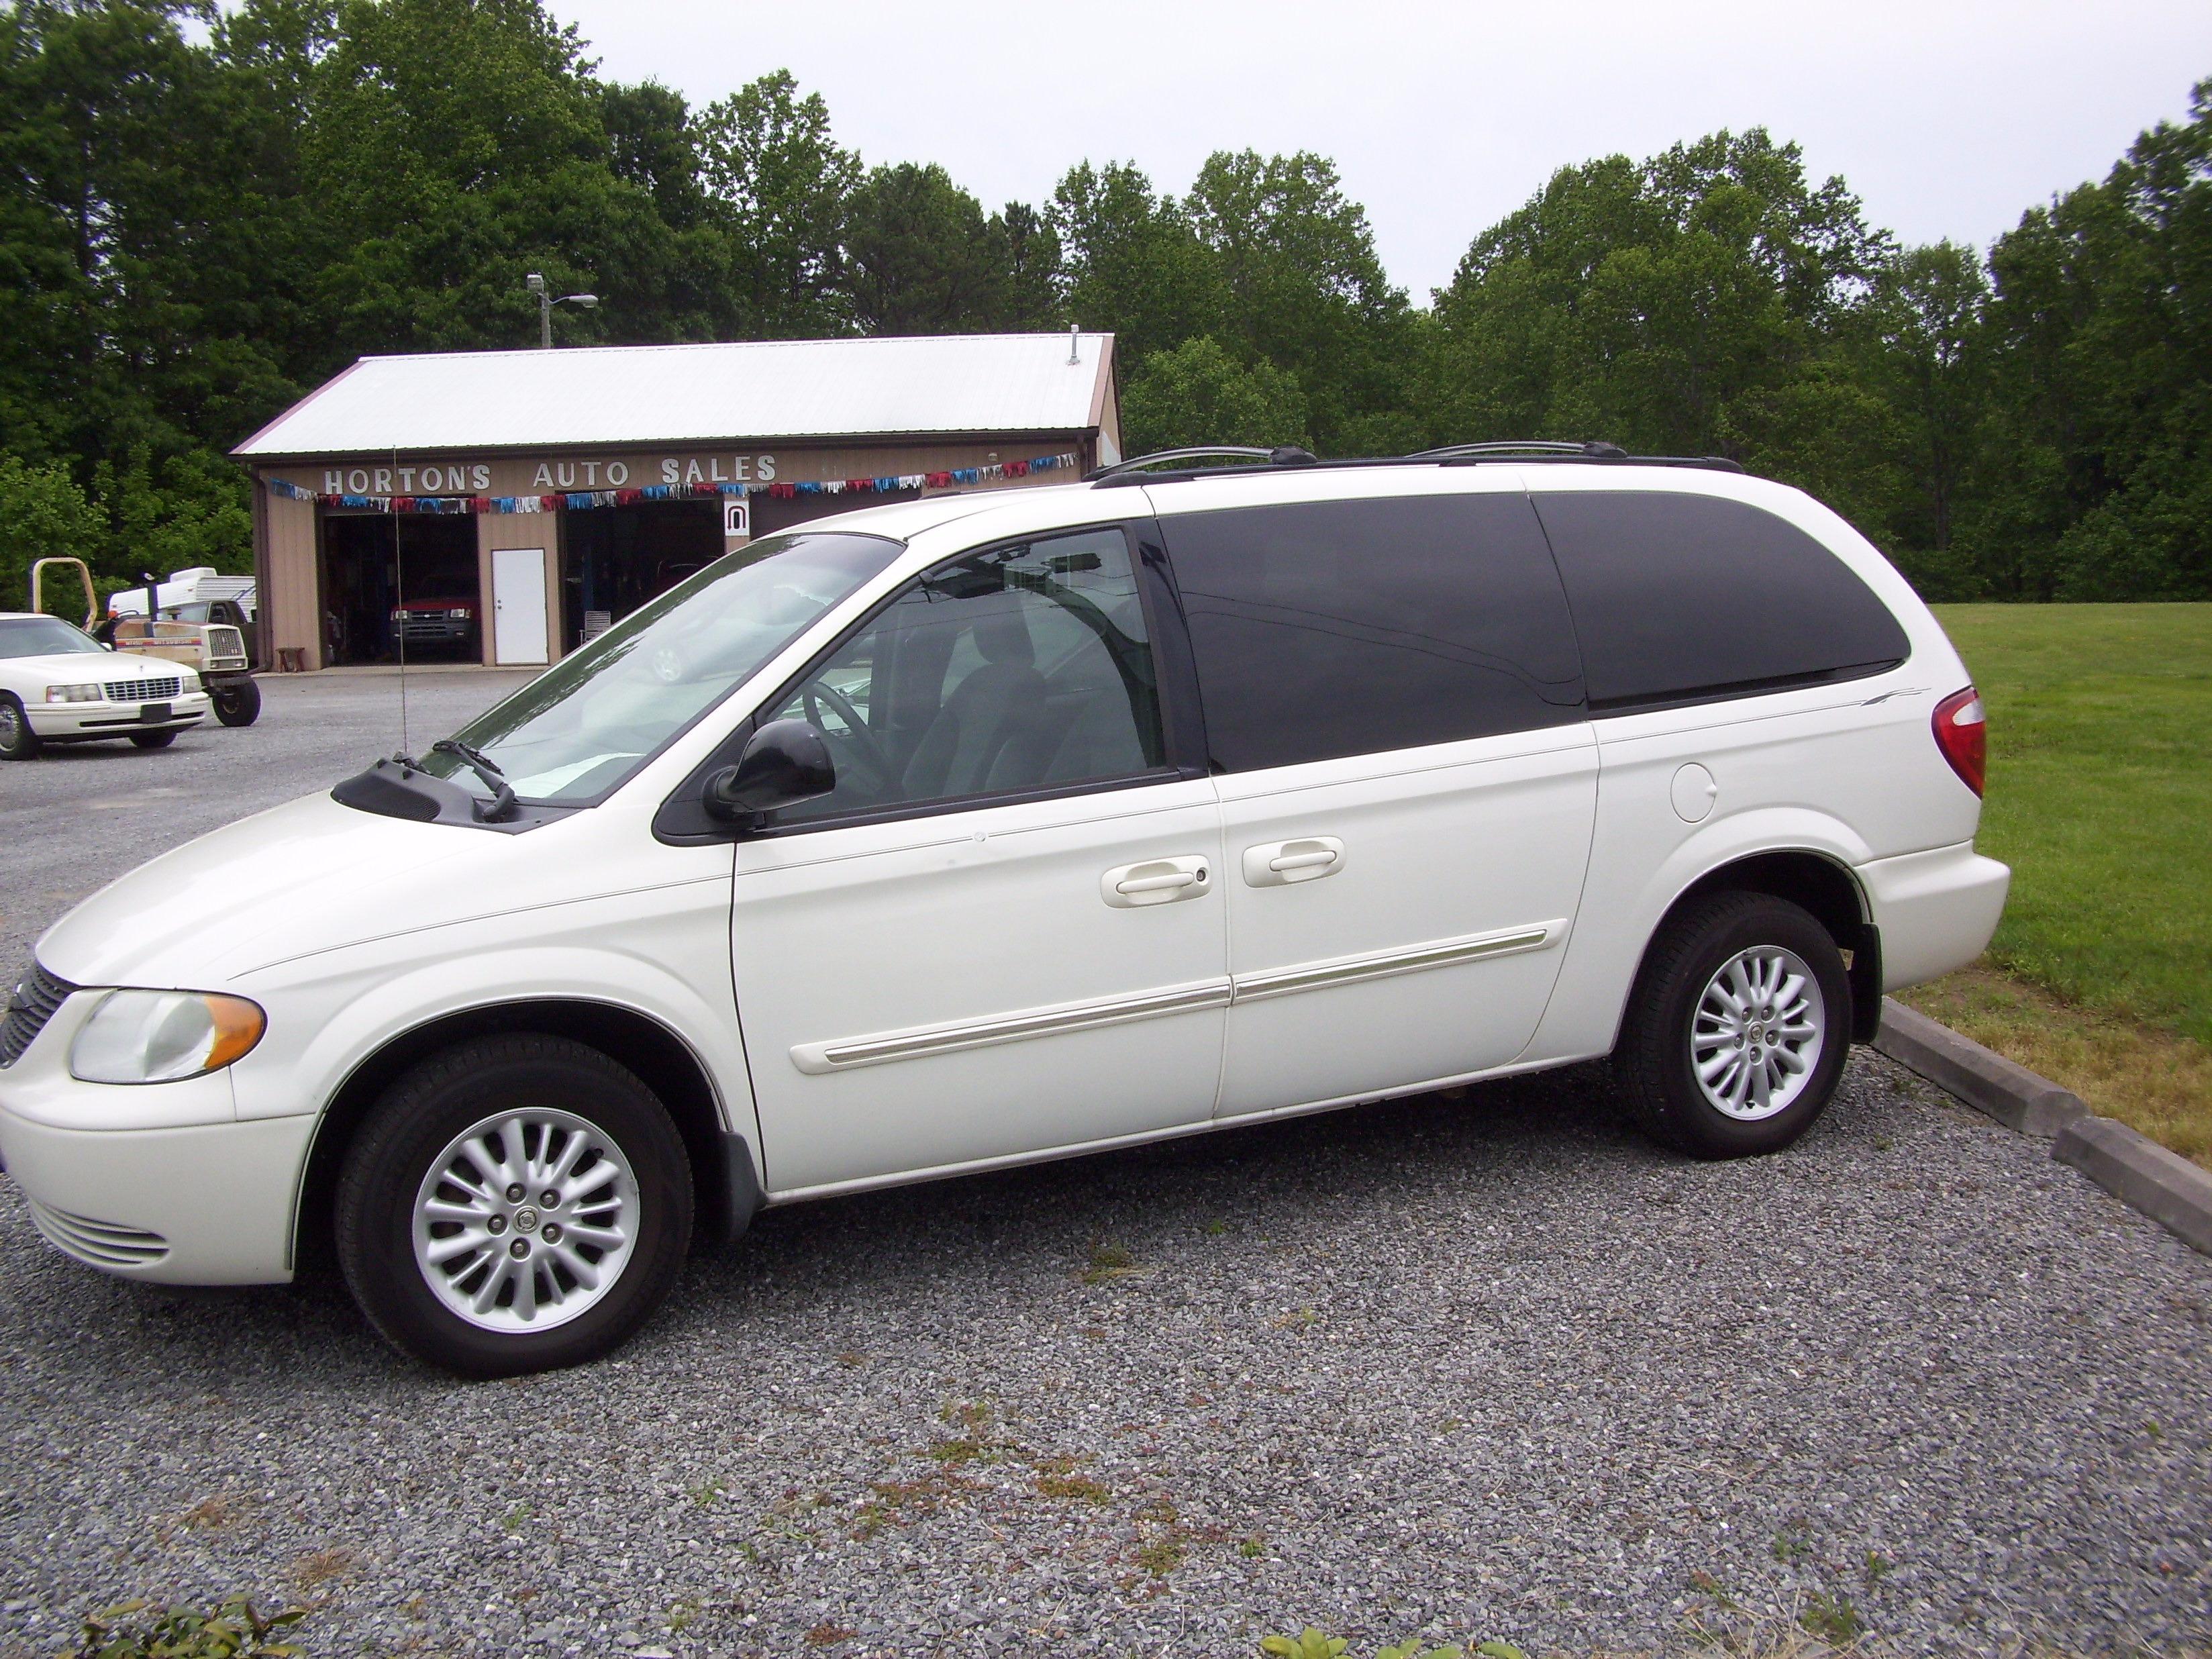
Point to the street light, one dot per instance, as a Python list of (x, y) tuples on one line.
[(536, 284)]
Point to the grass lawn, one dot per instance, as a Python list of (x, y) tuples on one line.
[(2100, 798)]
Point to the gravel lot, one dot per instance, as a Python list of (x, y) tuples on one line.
[(1484, 1367)]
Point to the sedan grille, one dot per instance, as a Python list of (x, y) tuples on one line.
[(32, 1005), (143, 691), (102, 1243)]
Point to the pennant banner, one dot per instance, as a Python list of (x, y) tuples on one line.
[(577, 501)]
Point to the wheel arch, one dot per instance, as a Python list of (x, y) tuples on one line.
[(726, 1185), (1817, 883)]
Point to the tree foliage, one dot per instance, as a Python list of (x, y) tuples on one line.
[(203, 213)]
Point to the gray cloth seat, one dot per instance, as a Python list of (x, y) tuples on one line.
[(1000, 705)]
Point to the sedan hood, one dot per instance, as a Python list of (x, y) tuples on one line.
[(309, 876), (77, 668)]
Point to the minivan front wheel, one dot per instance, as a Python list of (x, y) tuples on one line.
[(1739, 1029), (513, 1205)]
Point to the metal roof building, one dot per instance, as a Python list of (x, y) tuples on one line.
[(502, 506)]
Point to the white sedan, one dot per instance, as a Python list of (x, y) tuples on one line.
[(58, 685)]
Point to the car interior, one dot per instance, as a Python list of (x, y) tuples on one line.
[(1018, 668)]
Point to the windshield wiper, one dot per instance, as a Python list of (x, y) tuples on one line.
[(502, 793)]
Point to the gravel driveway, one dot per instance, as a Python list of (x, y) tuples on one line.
[(1485, 1366)]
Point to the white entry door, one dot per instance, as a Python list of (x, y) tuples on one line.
[(518, 604)]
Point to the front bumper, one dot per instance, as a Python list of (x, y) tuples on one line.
[(65, 722), (159, 1182), (206, 1205), (435, 631)]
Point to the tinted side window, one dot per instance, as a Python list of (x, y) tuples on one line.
[(1015, 668), (1348, 627), (1681, 596)]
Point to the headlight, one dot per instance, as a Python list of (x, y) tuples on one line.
[(399, 615), (73, 694), (461, 615), (160, 1037)]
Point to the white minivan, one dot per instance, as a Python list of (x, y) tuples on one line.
[(996, 827)]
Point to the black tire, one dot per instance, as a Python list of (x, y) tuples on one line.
[(153, 739), (1653, 1063), (17, 740), (416, 1121), (237, 702)]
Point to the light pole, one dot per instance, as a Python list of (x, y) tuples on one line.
[(536, 284)]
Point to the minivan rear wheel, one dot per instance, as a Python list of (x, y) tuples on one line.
[(515, 1204), (1739, 1028)]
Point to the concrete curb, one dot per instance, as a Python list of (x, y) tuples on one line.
[(2135, 1169), (2010, 1093)]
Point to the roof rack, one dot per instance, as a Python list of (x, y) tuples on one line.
[(1139, 469), (1595, 450), (1281, 455)]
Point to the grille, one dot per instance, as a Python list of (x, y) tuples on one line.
[(143, 690), (103, 1243), (226, 645), (36, 997)]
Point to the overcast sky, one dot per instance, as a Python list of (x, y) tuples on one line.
[(1948, 117)]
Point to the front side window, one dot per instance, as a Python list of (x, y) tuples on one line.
[(1329, 629), (581, 728), (1015, 668), (43, 636)]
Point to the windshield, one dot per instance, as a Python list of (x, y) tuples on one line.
[(43, 636), (583, 725)]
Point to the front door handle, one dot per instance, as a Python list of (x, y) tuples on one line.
[(1156, 881), (1280, 863)]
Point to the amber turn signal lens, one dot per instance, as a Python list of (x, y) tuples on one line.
[(238, 1026)]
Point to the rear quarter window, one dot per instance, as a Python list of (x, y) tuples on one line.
[(1345, 628), (1681, 598)]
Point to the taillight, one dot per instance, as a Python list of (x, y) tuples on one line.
[(1962, 733)]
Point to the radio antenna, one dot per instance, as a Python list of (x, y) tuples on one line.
[(399, 606)]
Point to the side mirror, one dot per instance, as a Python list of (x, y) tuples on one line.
[(785, 762)]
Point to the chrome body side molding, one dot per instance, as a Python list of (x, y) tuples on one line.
[(845, 1053)]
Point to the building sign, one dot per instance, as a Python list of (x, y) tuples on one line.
[(548, 478), (461, 478), (737, 521)]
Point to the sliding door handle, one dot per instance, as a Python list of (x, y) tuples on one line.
[(1156, 881), (1281, 863)]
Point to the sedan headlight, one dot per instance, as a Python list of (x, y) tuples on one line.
[(73, 694), (161, 1036)]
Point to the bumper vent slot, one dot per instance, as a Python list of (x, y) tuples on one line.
[(102, 1243), (30, 1007)]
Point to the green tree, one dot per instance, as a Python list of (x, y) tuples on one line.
[(918, 255), (777, 184), (1199, 393), (2101, 321), (43, 515), (1133, 264), (1299, 284)]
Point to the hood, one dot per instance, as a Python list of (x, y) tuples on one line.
[(305, 876), (84, 668)]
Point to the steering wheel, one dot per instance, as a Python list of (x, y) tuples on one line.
[(818, 692)]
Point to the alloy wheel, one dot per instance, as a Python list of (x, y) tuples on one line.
[(525, 1220), (1757, 1038)]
